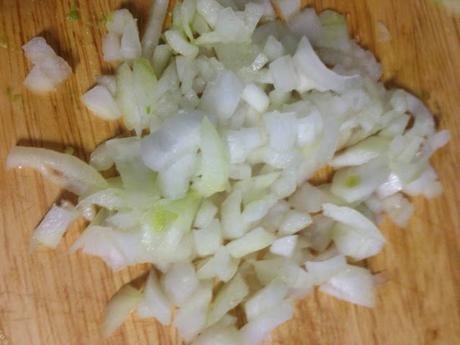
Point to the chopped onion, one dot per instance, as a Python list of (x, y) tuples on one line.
[(49, 69), (309, 64), (155, 303), (152, 33), (191, 317), (355, 235), (208, 239), (257, 329), (227, 298), (218, 189), (180, 282), (63, 169), (354, 284), (284, 246), (53, 226), (119, 307), (101, 102), (253, 241)]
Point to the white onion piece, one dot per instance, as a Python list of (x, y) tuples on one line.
[(136, 93), (282, 129), (209, 239), (260, 327), (109, 82), (284, 246), (309, 198), (180, 282), (101, 102), (273, 48), (179, 44), (221, 265), (322, 271), (242, 142), (205, 214), (38, 81), (294, 221), (111, 46), (275, 216), (398, 208), (233, 225), (53, 226), (284, 74), (221, 97), (155, 303), (427, 184), (63, 169), (191, 317), (118, 249), (391, 186), (255, 97), (253, 241), (174, 181), (355, 235), (130, 46), (306, 23), (361, 153), (288, 7), (118, 20), (209, 10), (119, 307), (38, 50), (359, 182), (354, 284), (285, 185), (49, 69), (215, 161), (177, 136), (308, 63), (152, 33), (228, 297), (265, 299), (161, 57), (100, 158), (257, 209)]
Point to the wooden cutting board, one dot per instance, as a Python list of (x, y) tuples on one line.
[(53, 298)]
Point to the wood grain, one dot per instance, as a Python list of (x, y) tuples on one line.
[(53, 298)]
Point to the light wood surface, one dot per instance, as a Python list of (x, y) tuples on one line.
[(53, 298)]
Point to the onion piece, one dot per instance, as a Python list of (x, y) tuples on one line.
[(254, 240), (180, 282), (221, 265), (101, 102), (257, 329), (288, 7), (155, 303), (49, 69), (228, 297), (355, 235), (191, 317), (284, 246), (119, 307), (354, 284), (53, 226), (398, 208), (155, 22), (63, 169), (308, 63), (215, 165), (265, 299)]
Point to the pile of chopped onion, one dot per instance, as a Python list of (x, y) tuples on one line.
[(233, 112)]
